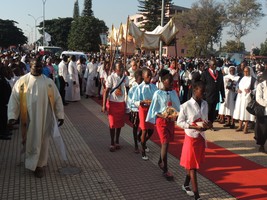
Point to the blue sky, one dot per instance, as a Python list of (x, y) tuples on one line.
[(111, 11)]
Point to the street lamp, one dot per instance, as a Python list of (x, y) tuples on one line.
[(35, 29), (44, 1), (31, 31)]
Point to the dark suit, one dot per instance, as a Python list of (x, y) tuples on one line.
[(212, 91), (5, 92)]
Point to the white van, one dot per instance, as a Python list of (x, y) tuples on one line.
[(49, 49), (78, 54)]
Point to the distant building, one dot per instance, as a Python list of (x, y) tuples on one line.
[(168, 51)]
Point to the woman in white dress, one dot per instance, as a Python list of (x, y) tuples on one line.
[(245, 88), (227, 108)]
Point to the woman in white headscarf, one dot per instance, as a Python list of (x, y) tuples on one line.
[(227, 108), (246, 87)]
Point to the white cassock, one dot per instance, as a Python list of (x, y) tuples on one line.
[(90, 75), (227, 108), (73, 91), (242, 100), (41, 120)]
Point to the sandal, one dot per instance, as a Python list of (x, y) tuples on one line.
[(136, 150), (161, 166), (112, 148), (238, 129), (117, 146), (168, 175)]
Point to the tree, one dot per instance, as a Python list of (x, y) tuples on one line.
[(59, 30), (84, 34), (11, 34), (263, 48), (76, 10), (151, 9), (242, 15), (87, 10), (204, 24), (231, 46)]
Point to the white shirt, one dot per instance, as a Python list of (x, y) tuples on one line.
[(114, 80), (63, 70), (189, 113)]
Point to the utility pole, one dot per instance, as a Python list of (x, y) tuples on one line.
[(162, 24), (44, 42)]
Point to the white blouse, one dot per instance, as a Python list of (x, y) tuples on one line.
[(190, 112)]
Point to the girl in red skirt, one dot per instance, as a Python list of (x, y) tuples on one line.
[(193, 118), (164, 100)]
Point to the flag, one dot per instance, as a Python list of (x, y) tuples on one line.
[(103, 37), (47, 37)]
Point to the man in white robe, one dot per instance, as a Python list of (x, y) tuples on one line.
[(90, 76), (73, 91), (36, 100)]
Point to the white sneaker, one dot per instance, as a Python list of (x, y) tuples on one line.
[(144, 157), (147, 150), (188, 191)]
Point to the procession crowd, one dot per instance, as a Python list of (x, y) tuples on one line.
[(189, 92)]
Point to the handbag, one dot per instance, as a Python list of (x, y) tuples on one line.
[(255, 108)]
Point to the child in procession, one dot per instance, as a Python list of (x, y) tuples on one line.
[(142, 98), (134, 116), (193, 118), (163, 100)]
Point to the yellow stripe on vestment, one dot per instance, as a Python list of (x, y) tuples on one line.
[(23, 112)]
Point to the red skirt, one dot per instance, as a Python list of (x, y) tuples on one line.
[(116, 114), (142, 119), (193, 152), (165, 130)]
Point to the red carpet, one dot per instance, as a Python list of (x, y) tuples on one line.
[(240, 177)]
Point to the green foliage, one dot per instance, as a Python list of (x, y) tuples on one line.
[(10, 34), (59, 30), (204, 23), (263, 48), (84, 34), (231, 46), (256, 51), (76, 10), (151, 9), (243, 15), (87, 11)]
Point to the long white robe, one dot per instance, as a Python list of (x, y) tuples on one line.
[(90, 75), (41, 119), (242, 100), (73, 91), (227, 108)]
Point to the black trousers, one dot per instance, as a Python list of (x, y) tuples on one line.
[(62, 90), (261, 130), (3, 119), (212, 111)]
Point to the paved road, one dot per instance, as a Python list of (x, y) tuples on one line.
[(104, 175)]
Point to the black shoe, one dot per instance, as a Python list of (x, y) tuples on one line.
[(262, 149), (86, 96), (65, 104), (5, 137), (213, 129), (226, 125), (232, 126)]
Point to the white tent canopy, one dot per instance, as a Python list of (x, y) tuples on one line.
[(150, 40)]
